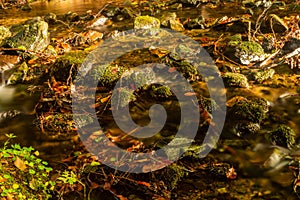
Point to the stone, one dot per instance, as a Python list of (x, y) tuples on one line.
[(169, 20), (146, 22), (4, 33), (262, 75), (249, 51), (282, 136), (33, 35), (235, 80), (50, 18), (193, 2)]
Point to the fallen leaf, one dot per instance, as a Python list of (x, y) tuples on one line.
[(20, 164)]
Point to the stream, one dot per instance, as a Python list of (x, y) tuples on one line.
[(284, 102)]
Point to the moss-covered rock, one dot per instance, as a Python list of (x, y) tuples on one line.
[(163, 92), (146, 22), (235, 80), (66, 67), (245, 128), (261, 75), (282, 136), (33, 35), (107, 75), (249, 51), (251, 110), (171, 175), (4, 33)]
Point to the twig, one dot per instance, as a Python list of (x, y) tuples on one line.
[(265, 62), (101, 10)]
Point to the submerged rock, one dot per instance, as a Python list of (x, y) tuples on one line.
[(33, 35), (146, 22), (169, 20)]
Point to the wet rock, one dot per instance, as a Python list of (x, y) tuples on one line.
[(50, 18), (291, 45), (107, 75), (268, 44), (243, 52), (65, 68), (245, 115), (163, 92), (26, 7), (6, 115), (100, 21), (87, 37), (128, 12), (235, 80), (196, 23), (274, 24), (111, 11), (33, 35), (253, 110), (169, 20), (245, 128), (193, 2), (4, 33), (146, 22), (19, 74), (222, 171), (71, 17), (249, 51), (282, 136), (261, 3), (261, 75)]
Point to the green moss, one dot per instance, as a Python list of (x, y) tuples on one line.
[(234, 40), (107, 75), (172, 174), (282, 136), (235, 80), (73, 57), (161, 92), (251, 110), (262, 75), (146, 22), (4, 33), (251, 47), (66, 66)]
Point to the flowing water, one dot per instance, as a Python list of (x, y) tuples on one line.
[(17, 99)]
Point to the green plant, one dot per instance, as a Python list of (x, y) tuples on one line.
[(22, 174), (68, 179)]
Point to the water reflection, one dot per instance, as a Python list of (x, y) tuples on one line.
[(41, 8)]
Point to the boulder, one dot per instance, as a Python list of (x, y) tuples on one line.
[(146, 22), (33, 35)]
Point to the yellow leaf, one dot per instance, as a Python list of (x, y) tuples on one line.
[(15, 186), (20, 164), (37, 153)]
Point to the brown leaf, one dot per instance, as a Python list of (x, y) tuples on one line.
[(20, 164)]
